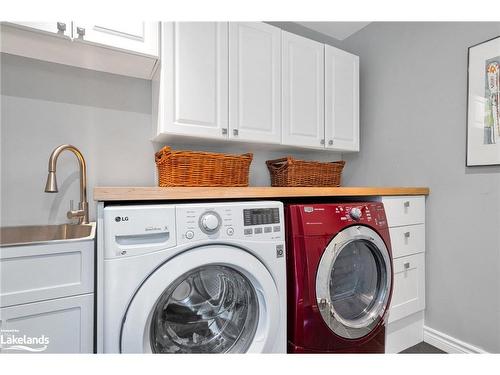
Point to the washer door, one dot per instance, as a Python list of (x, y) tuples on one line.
[(353, 283), (211, 299)]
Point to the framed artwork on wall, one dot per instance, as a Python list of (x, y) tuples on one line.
[(483, 104)]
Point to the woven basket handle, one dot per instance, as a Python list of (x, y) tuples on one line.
[(279, 164), (163, 154)]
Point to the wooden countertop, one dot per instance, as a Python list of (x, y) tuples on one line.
[(194, 193)]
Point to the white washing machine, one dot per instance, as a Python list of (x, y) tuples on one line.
[(193, 278)]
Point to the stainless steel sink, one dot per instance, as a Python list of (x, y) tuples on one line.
[(22, 235)]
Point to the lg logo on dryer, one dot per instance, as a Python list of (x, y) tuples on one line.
[(121, 218)]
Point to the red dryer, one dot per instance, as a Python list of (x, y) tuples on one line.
[(339, 277)]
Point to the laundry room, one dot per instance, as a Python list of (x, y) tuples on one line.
[(202, 180)]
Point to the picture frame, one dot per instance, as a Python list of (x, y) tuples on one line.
[(483, 103)]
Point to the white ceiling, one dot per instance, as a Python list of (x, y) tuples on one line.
[(337, 30)]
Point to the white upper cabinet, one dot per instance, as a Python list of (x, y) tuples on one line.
[(254, 82), (61, 28), (139, 37), (125, 48), (193, 83), (341, 99), (303, 92)]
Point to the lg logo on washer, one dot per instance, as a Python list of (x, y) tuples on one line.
[(121, 218)]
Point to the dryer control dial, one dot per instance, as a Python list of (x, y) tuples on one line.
[(210, 222), (355, 213)]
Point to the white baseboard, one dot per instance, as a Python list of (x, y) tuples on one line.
[(447, 343)]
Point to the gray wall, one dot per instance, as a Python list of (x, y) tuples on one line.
[(107, 116), (413, 121)]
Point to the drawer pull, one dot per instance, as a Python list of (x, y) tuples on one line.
[(407, 204), (406, 265), (407, 234)]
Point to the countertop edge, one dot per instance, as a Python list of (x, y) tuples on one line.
[(106, 194)]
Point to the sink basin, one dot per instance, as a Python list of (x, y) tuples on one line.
[(23, 235)]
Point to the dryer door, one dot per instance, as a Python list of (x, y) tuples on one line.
[(210, 299), (353, 283)]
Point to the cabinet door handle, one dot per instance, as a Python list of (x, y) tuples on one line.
[(407, 234), (407, 204), (61, 27), (235, 131), (224, 131), (80, 31), (322, 142), (330, 142), (406, 265)]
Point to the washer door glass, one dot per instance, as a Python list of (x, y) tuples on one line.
[(211, 309), (353, 283)]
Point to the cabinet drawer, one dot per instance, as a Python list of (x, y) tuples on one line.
[(63, 325), (408, 295), (39, 272), (407, 240), (404, 210)]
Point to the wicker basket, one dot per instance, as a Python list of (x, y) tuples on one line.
[(291, 172), (196, 168)]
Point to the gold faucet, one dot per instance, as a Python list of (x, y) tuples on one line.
[(51, 186)]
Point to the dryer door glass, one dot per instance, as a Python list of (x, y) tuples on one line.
[(353, 282), (356, 280), (211, 309)]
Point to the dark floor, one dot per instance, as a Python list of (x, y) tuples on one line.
[(422, 348)]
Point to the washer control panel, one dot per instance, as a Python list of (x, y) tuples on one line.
[(255, 221)]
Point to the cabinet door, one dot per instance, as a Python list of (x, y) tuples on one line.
[(63, 325), (341, 99), (303, 91), (254, 82), (139, 37), (408, 295), (193, 84), (59, 28), (55, 270)]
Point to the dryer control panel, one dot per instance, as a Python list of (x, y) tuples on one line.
[(329, 218), (259, 221)]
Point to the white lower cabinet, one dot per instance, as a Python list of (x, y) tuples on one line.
[(404, 333), (404, 210), (406, 219), (408, 295), (47, 297), (407, 240), (63, 325)]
